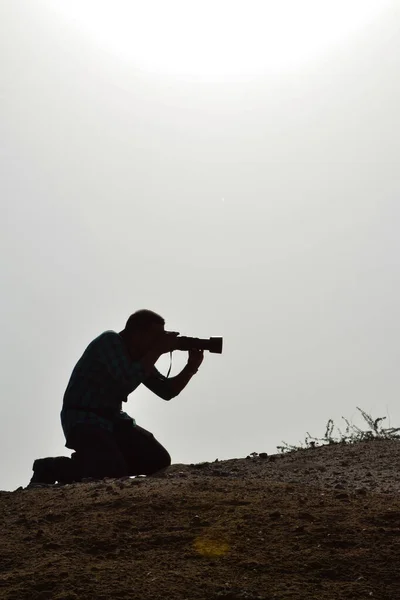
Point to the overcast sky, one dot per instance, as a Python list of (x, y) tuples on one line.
[(264, 209)]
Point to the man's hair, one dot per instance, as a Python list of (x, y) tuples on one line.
[(142, 319)]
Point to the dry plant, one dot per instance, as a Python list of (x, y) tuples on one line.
[(350, 435)]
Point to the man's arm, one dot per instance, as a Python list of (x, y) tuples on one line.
[(169, 388), (114, 355), (114, 358)]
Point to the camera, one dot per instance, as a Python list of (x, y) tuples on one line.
[(212, 344)]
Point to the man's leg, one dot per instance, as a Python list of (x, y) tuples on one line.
[(97, 453), (143, 454)]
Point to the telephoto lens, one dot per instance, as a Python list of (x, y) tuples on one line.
[(212, 344)]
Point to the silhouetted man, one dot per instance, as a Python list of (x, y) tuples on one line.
[(106, 440)]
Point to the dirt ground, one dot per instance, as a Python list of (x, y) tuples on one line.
[(321, 523)]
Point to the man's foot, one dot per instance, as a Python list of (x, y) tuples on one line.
[(49, 470), (43, 471)]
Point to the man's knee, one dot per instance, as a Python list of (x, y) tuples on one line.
[(151, 462), (160, 459), (165, 459)]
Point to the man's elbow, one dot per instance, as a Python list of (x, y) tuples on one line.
[(169, 394)]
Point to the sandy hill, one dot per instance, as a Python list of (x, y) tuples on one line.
[(320, 523)]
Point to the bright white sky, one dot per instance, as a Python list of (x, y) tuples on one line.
[(235, 169)]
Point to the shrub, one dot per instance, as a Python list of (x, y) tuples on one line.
[(351, 434)]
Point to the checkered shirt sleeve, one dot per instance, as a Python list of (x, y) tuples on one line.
[(115, 359)]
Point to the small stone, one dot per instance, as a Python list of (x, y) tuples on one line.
[(342, 496), (306, 516), (276, 514), (51, 545)]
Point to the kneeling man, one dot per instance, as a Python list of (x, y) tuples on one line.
[(106, 440)]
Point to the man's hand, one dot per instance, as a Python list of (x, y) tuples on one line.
[(195, 359), (164, 343)]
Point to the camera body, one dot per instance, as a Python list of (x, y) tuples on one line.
[(212, 344)]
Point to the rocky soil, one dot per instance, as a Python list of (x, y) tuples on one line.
[(315, 524)]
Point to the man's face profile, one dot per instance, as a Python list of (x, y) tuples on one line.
[(142, 341)]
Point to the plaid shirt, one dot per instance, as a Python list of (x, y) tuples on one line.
[(101, 380)]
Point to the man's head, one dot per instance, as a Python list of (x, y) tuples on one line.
[(142, 330)]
